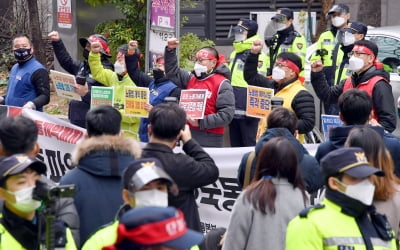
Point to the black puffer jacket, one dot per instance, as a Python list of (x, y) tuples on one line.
[(77, 110), (382, 96), (302, 104)]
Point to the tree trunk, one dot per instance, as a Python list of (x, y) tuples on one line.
[(369, 12), (36, 33)]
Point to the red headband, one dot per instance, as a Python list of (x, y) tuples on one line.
[(156, 232), (289, 64), (203, 54), (363, 49)]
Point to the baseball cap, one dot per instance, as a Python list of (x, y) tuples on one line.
[(17, 163), (351, 161), (98, 38), (357, 27), (143, 171), (149, 226), (339, 8), (283, 13), (246, 24)]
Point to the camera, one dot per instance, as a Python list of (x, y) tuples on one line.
[(81, 80), (46, 193)]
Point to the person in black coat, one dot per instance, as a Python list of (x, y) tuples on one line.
[(192, 170), (78, 109)]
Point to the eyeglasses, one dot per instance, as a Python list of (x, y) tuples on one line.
[(200, 60), (356, 53)]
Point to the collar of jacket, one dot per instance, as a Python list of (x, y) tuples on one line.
[(106, 142)]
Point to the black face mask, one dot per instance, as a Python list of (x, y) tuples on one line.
[(22, 54), (158, 73), (85, 54)]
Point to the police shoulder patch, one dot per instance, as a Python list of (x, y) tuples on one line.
[(299, 45)]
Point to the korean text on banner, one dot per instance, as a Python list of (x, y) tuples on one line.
[(328, 122), (258, 101), (135, 99), (102, 96), (64, 85), (193, 101)]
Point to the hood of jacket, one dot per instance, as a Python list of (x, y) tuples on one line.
[(105, 155), (281, 132), (246, 44), (338, 135), (369, 73)]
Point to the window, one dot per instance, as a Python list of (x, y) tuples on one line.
[(389, 51)]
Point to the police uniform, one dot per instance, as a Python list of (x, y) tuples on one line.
[(340, 221)]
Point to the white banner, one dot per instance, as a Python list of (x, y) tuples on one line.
[(57, 139)]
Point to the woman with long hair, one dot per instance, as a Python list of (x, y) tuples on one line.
[(275, 196), (387, 188)]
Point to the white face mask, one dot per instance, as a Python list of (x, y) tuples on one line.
[(152, 197), (119, 68), (362, 191), (239, 37), (24, 201), (198, 69), (278, 74), (355, 63), (338, 21), (348, 39)]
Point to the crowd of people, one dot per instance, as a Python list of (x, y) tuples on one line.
[(143, 196)]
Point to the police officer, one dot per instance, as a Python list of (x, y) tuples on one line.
[(286, 39), (22, 225), (243, 129), (346, 218), (328, 47)]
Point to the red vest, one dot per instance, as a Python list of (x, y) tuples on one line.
[(367, 86), (212, 84)]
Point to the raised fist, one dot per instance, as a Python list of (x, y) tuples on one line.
[(256, 47), (173, 43), (54, 36), (317, 66), (95, 47)]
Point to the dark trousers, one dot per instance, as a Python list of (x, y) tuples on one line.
[(243, 132)]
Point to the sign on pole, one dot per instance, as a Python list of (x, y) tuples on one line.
[(64, 14)]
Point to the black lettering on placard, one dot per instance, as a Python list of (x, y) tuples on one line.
[(57, 163)]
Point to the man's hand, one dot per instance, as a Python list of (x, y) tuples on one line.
[(173, 43), (193, 122), (132, 46), (54, 36), (81, 90), (317, 66), (185, 135), (148, 107), (256, 47), (95, 47), (29, 105)]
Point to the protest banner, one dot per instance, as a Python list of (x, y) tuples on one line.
[(64, 85), (193, 101), (328, 122), (258, 101), (102, 96), (135, 99), (57, 139)]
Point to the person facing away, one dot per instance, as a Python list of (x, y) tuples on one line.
[(368, 75), (145, 184), (243, 129), (29, 83), (387, 188), (19, 135), (355, 108), (282, 122), (276, 194), (159, 85), (209, 73), (284, 39), (77, 109), (286, 84), (99, 161), (190, 170), (23, 218), (154, 228), (118, 79), (346, 218)]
